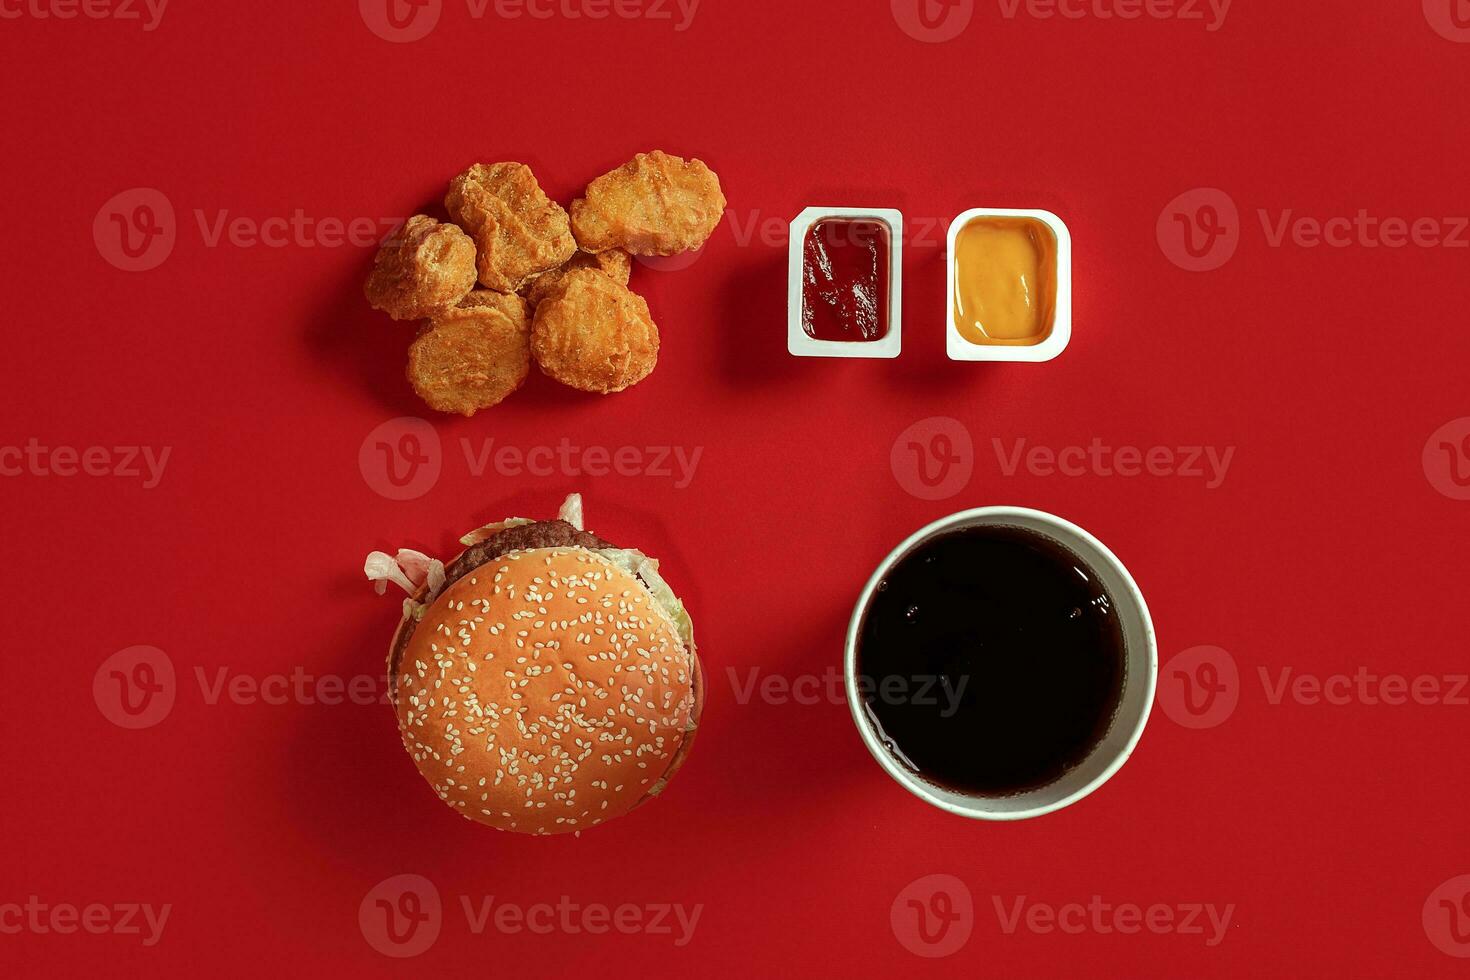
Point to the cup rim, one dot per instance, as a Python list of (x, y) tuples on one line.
[(927, 791)]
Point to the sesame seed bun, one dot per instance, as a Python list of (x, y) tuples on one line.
[(546, 692)]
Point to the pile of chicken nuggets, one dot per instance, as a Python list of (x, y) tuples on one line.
[(514, 278)]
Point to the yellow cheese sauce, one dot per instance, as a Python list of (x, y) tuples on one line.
[(1005, 281)]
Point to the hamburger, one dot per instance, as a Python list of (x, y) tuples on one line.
[(545, 680)]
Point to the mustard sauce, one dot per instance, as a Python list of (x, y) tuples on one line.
[(1005, 281)]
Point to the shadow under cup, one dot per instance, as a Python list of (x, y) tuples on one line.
[(1135, 700)]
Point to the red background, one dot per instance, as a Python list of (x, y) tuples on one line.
[(1325, 550)]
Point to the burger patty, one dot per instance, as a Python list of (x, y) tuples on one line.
[(542, 534)]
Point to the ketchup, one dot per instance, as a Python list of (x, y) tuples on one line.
[(844, 280)]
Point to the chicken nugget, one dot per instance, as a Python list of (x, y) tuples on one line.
[(510, 304), (655, 204), (594, 334), (519, 231), (468, 359), (423, 270), (614, 263)]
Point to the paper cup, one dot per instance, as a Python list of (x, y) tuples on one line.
[(1140, 674)]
